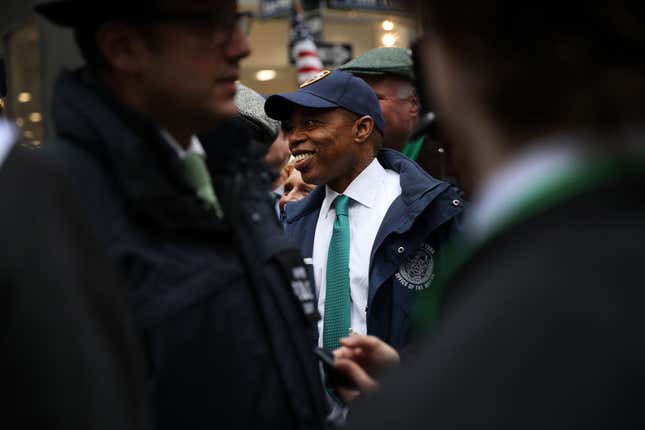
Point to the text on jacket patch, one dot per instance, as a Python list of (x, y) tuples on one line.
[(417, 273)]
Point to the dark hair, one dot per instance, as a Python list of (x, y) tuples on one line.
[(85, 33), (85, 37), (547, 65)]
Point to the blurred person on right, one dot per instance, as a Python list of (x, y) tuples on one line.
[(542, 321)]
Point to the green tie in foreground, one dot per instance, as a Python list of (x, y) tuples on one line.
[(337, 297), (198, 176)]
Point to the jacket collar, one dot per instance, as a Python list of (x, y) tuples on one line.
[(145, 169), (418, 188)]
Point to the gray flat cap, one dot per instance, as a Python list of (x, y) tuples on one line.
[(251, 107), (382, 61)]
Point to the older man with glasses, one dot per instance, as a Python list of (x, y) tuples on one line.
[(188, 222)]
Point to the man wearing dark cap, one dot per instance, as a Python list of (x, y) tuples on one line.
[(188, 222), (371, 228), (390, 73), (543, 326)]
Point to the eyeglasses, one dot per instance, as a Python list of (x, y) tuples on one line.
[(220, 27)]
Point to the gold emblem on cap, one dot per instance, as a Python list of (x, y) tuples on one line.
[(316, 78)]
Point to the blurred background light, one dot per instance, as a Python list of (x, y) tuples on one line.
[(24, 97), (387, 25), (388, 39), (265, 75)]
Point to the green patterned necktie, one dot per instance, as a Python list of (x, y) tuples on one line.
[(337, 316), (197, 175)]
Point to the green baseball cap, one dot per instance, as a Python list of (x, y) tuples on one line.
[(382, 61)]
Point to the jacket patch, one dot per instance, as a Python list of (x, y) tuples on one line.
[(417, 273)]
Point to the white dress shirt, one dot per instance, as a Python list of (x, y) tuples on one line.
[(371, 195), (195, 145)]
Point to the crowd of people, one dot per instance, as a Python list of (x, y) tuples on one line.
[(187, 253)]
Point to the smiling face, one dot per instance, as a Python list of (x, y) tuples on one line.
[(330, 145)]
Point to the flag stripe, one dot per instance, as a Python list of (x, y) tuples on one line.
[(303, 49), (309, 69), (308, 54)]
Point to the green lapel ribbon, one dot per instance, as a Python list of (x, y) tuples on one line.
[(197, 175)]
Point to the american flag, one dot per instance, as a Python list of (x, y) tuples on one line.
[(303, 49)]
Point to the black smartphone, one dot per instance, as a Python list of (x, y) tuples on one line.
[(334, 378)]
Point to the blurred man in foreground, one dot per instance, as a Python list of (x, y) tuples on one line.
[(543, 327), (187, 221)]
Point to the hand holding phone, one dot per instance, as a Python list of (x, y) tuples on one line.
[(334, 377)]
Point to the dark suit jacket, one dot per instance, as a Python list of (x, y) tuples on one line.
[(544, 328), (68, 359)]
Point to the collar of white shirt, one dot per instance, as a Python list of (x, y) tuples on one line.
[(361, 189), (541, 163), (7, 139), (195, 145)]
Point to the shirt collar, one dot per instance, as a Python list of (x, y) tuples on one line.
[(542, 162), (361, 189), (194, 148)]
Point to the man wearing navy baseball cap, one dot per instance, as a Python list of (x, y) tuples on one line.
[(372, 226)]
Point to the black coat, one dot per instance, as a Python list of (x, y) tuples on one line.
[(227, 341), (544, 328), (69, 358)]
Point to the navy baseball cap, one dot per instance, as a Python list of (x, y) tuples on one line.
[(328, 90)]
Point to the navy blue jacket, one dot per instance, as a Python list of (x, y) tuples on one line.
[(419, 222)]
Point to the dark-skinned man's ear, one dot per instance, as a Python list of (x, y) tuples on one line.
[(363, 128)]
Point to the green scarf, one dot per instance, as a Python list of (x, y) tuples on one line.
[(413, 149)]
